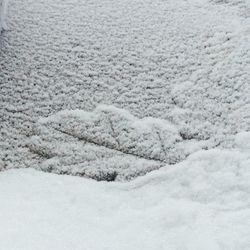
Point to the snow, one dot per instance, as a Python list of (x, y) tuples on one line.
[(185, 63), (200, 203), (108, 142), (148, 101), (3, 12)]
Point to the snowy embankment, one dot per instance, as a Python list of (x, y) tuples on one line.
[(201, 203), (3, 12)]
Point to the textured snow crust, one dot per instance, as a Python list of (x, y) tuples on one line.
[(183, 63), (103, 144), (201, 203), (3, 12)]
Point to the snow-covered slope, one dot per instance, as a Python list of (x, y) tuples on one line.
[(201, 203)]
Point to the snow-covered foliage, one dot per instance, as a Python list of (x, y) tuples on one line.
[(3, 12), (202, 203), (109, 143)]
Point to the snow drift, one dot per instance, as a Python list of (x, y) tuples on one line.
[(109, 143), (201, 203)]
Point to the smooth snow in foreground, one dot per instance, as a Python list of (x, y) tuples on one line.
[(201, 203)]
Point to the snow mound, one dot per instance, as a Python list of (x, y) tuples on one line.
[(201, 203), (109, 143)]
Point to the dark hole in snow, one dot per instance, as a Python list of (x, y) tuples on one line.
[(109, 177)]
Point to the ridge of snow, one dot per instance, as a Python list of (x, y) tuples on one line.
[(109, 142), (201, 203)]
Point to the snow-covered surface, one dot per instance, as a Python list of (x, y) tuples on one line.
[(3, 13), (201, 203), (185, 63), (108, 143), (112, 90)]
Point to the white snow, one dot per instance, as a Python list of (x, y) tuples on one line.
[(108, 141), (185, 63), (201, 203), (118, 89)]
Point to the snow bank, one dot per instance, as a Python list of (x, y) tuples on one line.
[(109, 143), (3, 12), (201, 203)]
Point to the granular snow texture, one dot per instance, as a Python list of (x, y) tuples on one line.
[(3, 13), (108, 144), (186, 63)]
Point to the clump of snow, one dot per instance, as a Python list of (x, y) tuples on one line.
[(108, 141), (116, 129), (3, 13), (201, 203)]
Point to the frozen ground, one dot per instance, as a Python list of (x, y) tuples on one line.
[(202, 203), (181, 64)]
